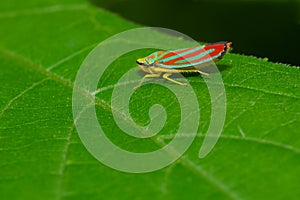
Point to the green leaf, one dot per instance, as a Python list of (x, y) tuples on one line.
[(43, 44)]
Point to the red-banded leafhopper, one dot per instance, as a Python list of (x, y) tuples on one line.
[(165, 63)]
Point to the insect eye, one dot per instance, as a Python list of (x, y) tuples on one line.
[(140, 61)]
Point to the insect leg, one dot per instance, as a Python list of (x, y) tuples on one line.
[(166, 76), (203, 73), (146, 76)]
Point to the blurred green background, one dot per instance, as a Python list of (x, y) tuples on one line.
[(263, 28)]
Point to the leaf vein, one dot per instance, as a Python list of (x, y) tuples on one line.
[(246, 138), (8, 105), (57, 64)]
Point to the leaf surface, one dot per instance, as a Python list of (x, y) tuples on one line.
[(42, 46)]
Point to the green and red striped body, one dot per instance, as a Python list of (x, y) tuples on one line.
[(181, 61)]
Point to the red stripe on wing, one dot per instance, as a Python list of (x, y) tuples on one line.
[(206, 58), (219, 50), (176, 52)]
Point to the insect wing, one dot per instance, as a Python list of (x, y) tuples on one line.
[(191, 56)]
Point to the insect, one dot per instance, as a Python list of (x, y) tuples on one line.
[(165, 63)]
